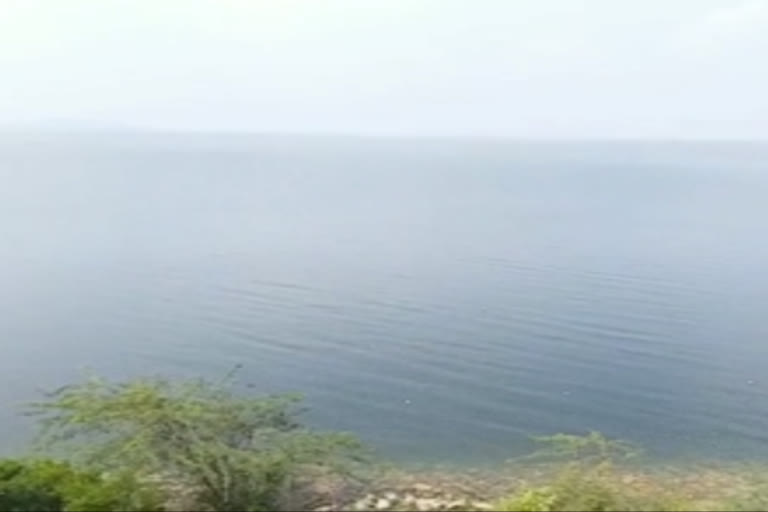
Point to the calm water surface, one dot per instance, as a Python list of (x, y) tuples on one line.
[(442, 298)]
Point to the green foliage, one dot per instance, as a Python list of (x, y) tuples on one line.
[(121, 491), (46, 485), (756, 499), (541, 499), (587, 482), (231, 452), (572, 490), (591, 448), (589, 491), (26, 487)]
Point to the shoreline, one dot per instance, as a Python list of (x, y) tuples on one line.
[(705, 486)]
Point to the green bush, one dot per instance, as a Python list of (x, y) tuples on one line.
[(588, 490), (123, 492), (541, 499), (230, 452), (572, 490), (44, 485), (25, 487), (755, 499), (591, 448), (587, 481)]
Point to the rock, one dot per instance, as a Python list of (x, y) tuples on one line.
[(420, 487), (427, 504), (382, 504), (482, 505), (326, 508), (456, 505), (366, 503), (391, 496), (409, 499)]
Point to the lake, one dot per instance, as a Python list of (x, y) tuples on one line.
[(442, 298)]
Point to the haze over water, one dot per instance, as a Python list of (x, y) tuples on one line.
[(442, 298)]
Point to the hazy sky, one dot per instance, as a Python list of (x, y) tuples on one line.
[(532, 68)]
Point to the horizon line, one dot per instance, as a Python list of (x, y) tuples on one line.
[(31, 129)]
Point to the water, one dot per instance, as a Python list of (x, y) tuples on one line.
[(443, 299)]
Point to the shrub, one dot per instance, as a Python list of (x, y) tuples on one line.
[(594, 490), (572, 490), (591, 448), (755, 499), (123, 492), (587, 482), (45, 485), (542, 499), (231, 452), (23, 487)]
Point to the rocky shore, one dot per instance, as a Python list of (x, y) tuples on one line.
[(708, 487)]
